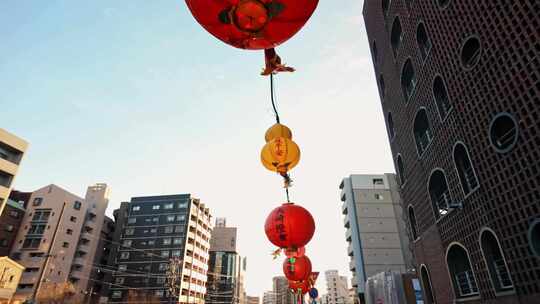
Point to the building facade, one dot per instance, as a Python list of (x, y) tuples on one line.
[(269, 297), (10, 221), (458, 81), (253, 300), (12, 149), (376, 229), (337, 288), (281, 291), (163, 252), (226, 267), (10, 274), (59, 238)]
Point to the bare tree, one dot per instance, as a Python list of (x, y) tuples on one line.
[(57, 293)]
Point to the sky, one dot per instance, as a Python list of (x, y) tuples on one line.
[(136, 94)]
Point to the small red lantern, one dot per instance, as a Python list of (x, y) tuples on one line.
[(289, 226), (299, 286), (297, 269), (252, 24)]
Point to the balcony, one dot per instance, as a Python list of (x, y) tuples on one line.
[(348, 235), (350, 250), (352, 265), (344, 210), (346, 222)]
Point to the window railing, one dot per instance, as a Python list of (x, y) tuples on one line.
[(442, 201), (423, 139), (466, 283), (507, 138), (470, 178), (502, 273)]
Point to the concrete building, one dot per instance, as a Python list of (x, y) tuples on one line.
[(269, 297), (337, 288), (282, 294), (59, 238), (163, 253), (458, 82), (10, 221), (12, 149), (253, 300), (10, 274), (98, 292), (376, 229), (226, 267)]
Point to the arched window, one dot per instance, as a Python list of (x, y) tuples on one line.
[(441, 96), (412, 222), (382, 85), (426, 285), (422, 131), (375, 52), (470, 52), (495, 261), (465, 169), (401, 170), (422, 38), (385, 7), (391, 132), (503, 132), (396, 35), (534, 237), (408, 79), (439, 193), (461, 273), (443, 3)]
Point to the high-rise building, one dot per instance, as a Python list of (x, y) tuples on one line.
[(59, 238), (226, 267), (98, 292), (458, 81), (282, 294), (163, 252), (12, 149), (375, 227), (10, 221), (253, 300), (337, 288), (269, 297)]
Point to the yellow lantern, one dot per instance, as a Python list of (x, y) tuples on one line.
[(278, 130), (280, 155)]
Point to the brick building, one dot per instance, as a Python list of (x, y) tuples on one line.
[(459, 82)]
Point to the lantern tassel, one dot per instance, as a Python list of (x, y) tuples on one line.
[(276, 253), (273, 63)]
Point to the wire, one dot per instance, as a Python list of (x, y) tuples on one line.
[(272, 97)]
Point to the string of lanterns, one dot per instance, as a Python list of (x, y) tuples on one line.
[(263, 25)]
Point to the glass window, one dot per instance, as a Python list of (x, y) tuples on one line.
[(503, 132), (168, 229), (465, 169), (156, 207), (165, 253), (180, 217), (37, 201), (408, 79), (497, 268), (168, 206), (176, 253), (73, 219), (151, 242), (127, 243), (461, 272), (77, 205), (119, 280), (69, 231), (129, 231), (132, 220), (422, 131), (163, 266), (178, 229), (116, 294), (470, 52), (441, 96), (122, 267), (136, 208), (177, 241), (182, 205), (396, 36), (422, 38), (170, 218), (166, 241), (124, 255)]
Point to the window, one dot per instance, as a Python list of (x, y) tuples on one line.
[(408, 80), (422, 131), (439, 193), (159, 293), (442, 3), (124, 255), (534, 237), (412, 222), (382, 86), (391, 132), (122, 267), (182, 205), (151, 242), (166, 241), (170, 218), (156, 207), (465, 170), (3, 242), (495, 261), (168, 206), (168, 229), (31, 243), (136, 208), (65, 245), (163, 266), (160, 280), (155, 219), (396, 35), (77, 205), (73, 219), (426, 285), (441, 97), (385, 7), (401, 170), (165, 253), (37, 201), (127, 243), (180, 218), (470, 52), (116, 294), (129, 231), (178, 229), (176, 253), (9, 228), (14, 214), (461, 273), (378, 181), (378, 196), (422, 38), (153, 230), (119, 281), (37, 229), (503, 132), (132, 220), (69, 231), (177, 241)]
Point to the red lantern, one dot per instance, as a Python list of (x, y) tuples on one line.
[(297, 269), (252, 24), (293, 252), (289, 226), (302, 286)]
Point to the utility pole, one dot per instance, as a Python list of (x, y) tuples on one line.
[(47, 257)]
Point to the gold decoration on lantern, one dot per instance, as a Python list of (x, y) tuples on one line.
[(280, 155), (277, 130)]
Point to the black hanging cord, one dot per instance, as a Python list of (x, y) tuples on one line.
[(272, 96)]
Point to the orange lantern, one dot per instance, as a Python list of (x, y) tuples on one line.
[(277, 130), (280, 155)]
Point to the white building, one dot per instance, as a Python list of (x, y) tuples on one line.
[(337, 288)]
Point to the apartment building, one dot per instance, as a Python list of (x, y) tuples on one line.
[(59, 237), (10, 221), (337, 288), (164, 250), (12, 149)]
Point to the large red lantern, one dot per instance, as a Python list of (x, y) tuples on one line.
[(289, 226), (297, 269), (252, 24)]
